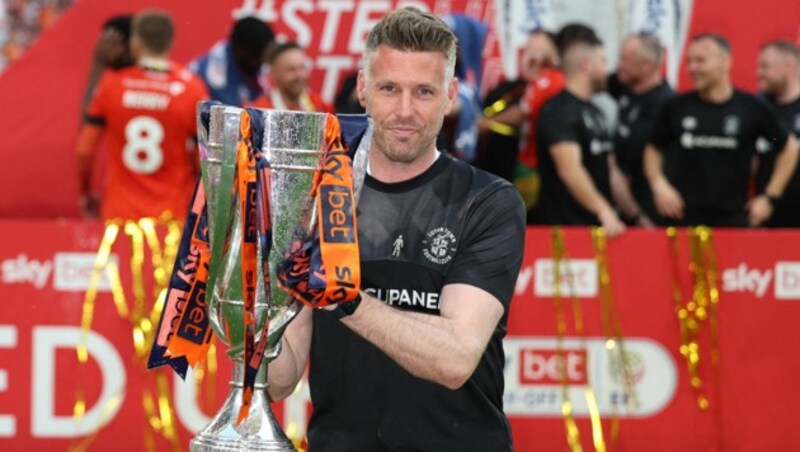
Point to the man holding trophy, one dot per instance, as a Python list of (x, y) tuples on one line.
[(416, 362), (406, 307)]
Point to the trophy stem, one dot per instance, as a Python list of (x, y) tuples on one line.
[(260, 431)]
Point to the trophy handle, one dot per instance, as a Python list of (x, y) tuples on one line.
[(277, 327)]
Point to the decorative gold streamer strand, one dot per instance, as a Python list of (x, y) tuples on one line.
[(560, 255), (157, 407), (701, 308), (87, 312), (697, 310), (571, 427), (712, 282), (580, 330), (612, 329)]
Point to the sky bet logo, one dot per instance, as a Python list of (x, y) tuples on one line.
[(70, 271), (337, 214), (786, 277), (787, 280)]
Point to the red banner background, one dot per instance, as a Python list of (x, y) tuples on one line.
[(752, 393)]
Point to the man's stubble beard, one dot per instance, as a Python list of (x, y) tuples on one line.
[(417, 149)]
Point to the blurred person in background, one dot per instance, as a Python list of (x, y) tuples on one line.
[(346, 100), (232, 68), (22, 21), (459, 135), (640, 91), (541, 66), (578, 170), (289, 72), (699, 158), (778, 73), (148, 111), (502, 124), (112, 51)]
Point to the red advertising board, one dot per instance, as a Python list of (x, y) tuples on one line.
[(45, 87), (45, 267)]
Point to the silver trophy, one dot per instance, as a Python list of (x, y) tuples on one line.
[(293, 145)]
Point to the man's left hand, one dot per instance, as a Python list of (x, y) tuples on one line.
[(759, 210)]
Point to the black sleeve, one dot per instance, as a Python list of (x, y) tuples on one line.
[(490, 254), (614, 87), (661, 135), (557, 123), (771, 127), (95, 120)]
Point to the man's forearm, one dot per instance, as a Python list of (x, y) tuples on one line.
[(620, 190), (88, 138), (582, 188), (653, 161), (433, 348), (290, 364), (785, 166), (84, 174)]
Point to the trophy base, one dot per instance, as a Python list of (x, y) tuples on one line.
[(260, 431)]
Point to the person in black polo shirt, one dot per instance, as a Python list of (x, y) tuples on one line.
[(415, 363), (578, 170), (700, 154), (779, 80), (640, 92)]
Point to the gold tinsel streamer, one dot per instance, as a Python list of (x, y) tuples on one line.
[(573, 434), (612, 329), (495, 126), (156, 403), (700, 309)]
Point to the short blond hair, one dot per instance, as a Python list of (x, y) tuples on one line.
[(411, 29)]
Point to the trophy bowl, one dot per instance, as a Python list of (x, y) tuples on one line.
[(293, 145)]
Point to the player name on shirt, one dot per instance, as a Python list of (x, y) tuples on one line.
[(145, 100), (173, 87)]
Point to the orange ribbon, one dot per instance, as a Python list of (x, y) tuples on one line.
[(336, 209), (245, 184)]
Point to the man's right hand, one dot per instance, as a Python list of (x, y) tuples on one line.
[(90, 206), (668, 201), (611, 223)]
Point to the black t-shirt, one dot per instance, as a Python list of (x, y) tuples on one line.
[(452, 224), (497, 153), (708, 148), (637, 114), (787, 212), (566, 118)]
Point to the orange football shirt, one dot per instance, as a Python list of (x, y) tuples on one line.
[(149, 117)]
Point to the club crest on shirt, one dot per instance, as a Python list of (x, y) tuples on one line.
[(176, 88), (588, 120), (762, 145), (730, 125), (598, 146), (439, 245), (689, 122), (633, 115)]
